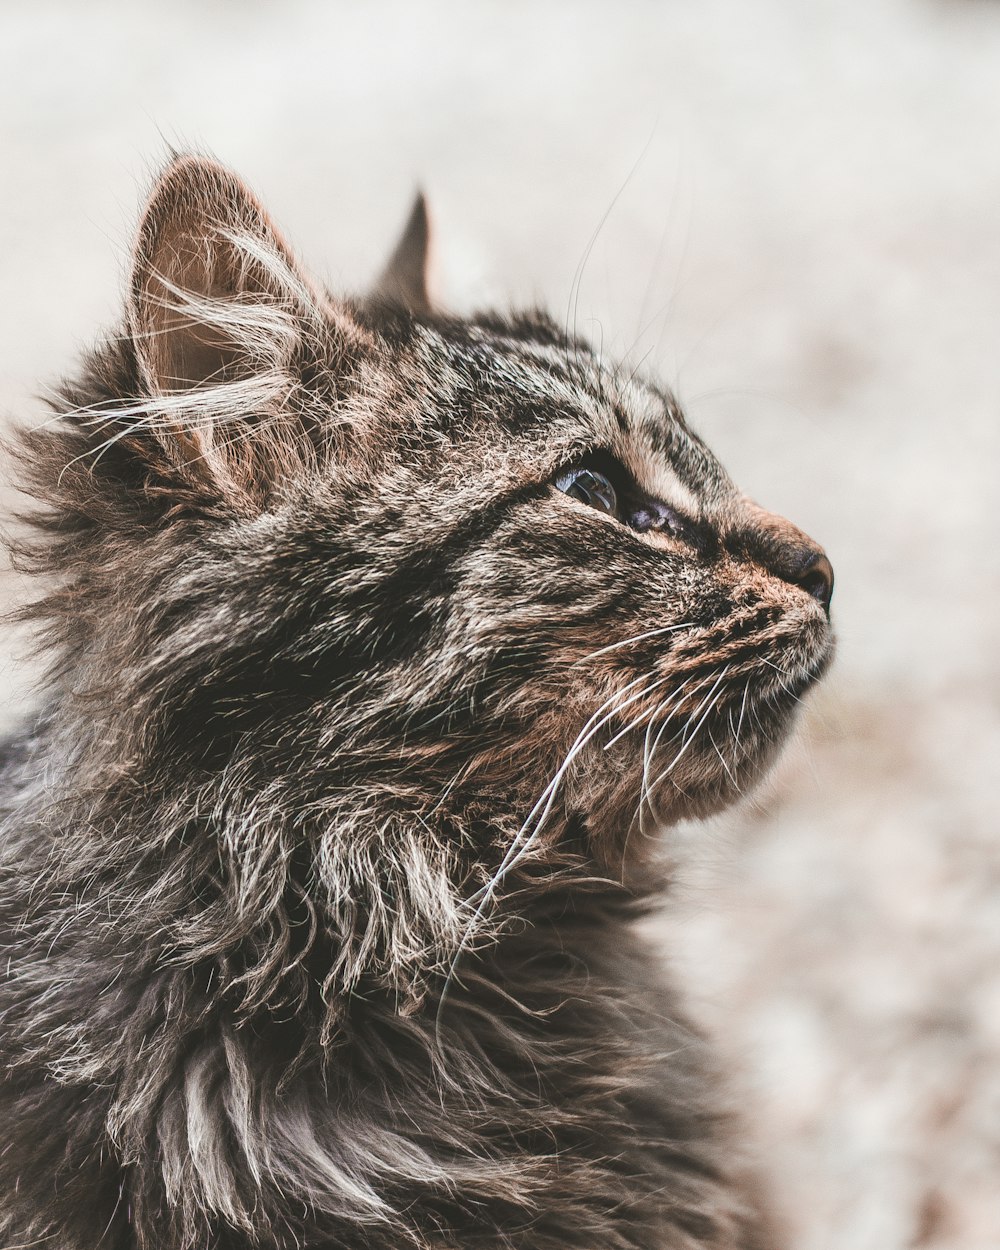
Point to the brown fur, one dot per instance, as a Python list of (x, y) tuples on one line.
[(321, 859)]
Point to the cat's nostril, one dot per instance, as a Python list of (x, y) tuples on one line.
[(815, 576)]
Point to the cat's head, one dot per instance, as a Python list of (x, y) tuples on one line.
[(462, 570)]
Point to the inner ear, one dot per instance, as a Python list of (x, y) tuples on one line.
[(183, 350), (213, 281)]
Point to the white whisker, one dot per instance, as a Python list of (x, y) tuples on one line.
[(536, 819), (650, 747), (708, 704), (651, 633), (739, 723), (650, 711)]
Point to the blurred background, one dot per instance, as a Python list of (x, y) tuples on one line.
[(788, 211)]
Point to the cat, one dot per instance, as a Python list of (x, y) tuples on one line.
[(382, 648)]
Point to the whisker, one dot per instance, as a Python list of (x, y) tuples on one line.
[(728, 770), (651, 747), (593, 726), (520, 844), (711, 700), (652, 633), (739, 723), (782, 673), (642, 715)]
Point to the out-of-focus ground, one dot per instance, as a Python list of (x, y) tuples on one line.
[(799, 212)]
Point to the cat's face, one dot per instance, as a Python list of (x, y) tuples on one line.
[(601, 604), (463, 564)]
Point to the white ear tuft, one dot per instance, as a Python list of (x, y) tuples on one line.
[(216, 294), (220, 317)]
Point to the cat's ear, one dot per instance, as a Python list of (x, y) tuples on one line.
[(219, 313), (208, 263), (405, 279)]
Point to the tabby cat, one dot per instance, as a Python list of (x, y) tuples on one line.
[(383, 645)]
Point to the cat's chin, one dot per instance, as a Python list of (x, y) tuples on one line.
[(632, 796), (628, 833), (629, 821)]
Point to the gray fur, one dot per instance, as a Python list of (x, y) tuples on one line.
[(321, 860)]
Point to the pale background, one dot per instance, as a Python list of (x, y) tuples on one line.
[(801, 232)]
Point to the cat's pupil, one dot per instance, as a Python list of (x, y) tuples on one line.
[(590, 486)]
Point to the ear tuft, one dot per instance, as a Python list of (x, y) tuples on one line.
[(214, 285), (219, 315), (404, 281)]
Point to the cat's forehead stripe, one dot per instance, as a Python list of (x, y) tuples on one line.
[(558, 395), (642, 425), (647, 455)]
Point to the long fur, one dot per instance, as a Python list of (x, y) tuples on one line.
[(321, 858)]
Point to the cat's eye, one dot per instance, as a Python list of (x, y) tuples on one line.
[(602, 482), (589, 486)]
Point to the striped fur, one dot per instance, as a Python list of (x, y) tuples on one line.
[(321, 858)]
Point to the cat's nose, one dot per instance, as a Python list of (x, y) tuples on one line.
[(784, 550), (812, 571)]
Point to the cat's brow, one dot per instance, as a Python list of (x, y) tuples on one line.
[(571, 410)]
